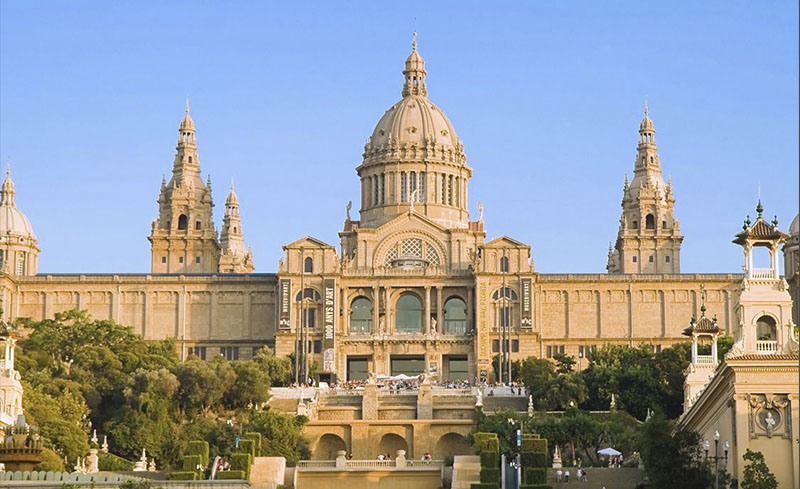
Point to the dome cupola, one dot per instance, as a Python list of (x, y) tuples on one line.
[(19, 248), (414, 155)]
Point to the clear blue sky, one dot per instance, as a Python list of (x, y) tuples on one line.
[(547, 97)]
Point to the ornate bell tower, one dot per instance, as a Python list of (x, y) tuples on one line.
[(649, 238), (183, 238), (234, 258)]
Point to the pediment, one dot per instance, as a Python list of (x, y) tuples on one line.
[(308, 242), (411, 222), (505, 242)]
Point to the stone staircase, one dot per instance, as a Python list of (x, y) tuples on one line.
[(466, 471), (599, 477)]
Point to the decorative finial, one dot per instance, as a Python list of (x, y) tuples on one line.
[(775, 221), (746, 222), (480, 211), (414, 42), (187, 105), (231, 184), (645, 107), (759, 208)]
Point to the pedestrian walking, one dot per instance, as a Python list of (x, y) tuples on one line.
[(566, 475), (559, 473)]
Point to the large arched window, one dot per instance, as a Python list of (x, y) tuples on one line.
[(308, 265), (408, 318), (361, 315), (183, 222), (649, 222), (455, 316), (506, 292), (765, 329), (504, 302)]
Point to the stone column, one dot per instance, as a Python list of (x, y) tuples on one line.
[(376, 301), (439, 318), (388, 310), (426, 319), (425, 401)]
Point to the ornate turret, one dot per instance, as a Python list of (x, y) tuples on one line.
[(791, 264), (10, 386), (234, 257), (764, 307), (183, 238), (649, 239)]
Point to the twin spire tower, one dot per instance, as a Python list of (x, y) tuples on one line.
[(183, 237)]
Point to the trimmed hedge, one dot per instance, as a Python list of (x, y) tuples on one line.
[(535, 475), (190, 462), (183, 476), (535, 486), (534, 445), (247, 446), (198, 447), (484, 485), (242, 461), (256, 437), (534, 459), (490, 475), (231, 475), (486, 441), (489, 459)]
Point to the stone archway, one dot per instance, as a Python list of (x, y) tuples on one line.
[(391, 443), (450, 445), (327, 446)]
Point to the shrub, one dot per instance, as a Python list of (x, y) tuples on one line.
[(488, 459), (535, 486), (535, 475), (190, 462), (182, 476), (490, 475), (485, 485), (231, 475), (112, 463), (198, 447), (242, 461), (256, 437), (247, 446)]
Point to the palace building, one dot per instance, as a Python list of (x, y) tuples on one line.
[(415, 285)]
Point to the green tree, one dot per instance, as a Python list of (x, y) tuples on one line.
[(201, 387), (60, 419), (251, 386), (756, 473), (564, 363), (565, 391), (282, 435), (673, 454), (279, 370), (537, 374)]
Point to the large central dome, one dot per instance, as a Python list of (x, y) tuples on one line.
[(414, 155)]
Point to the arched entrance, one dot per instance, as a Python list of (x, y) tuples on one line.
[(450, 445), (391, 443), (327, 446)]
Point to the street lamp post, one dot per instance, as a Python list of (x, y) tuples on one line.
[(716, 457)]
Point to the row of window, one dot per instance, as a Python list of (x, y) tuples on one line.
[(651, 259), (410, 182), (20, 261), (514, 346), (454, 367), (180, 259), (229, 352), (183, 223)]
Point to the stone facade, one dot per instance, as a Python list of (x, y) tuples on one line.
[(415, 285)]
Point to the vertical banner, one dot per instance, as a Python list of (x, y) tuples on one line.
[(484, 355), (527, 304), (285, 303), (329, 331)]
